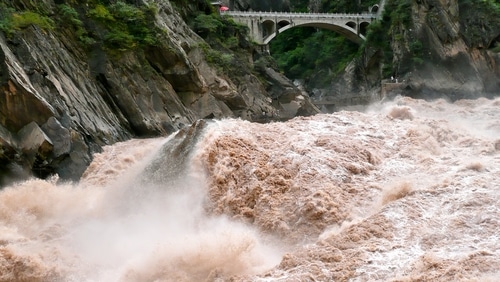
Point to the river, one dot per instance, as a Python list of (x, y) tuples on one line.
[(406, 190)]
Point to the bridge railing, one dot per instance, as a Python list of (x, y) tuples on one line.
[(299, 15)]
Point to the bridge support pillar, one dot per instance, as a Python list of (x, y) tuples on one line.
[(264, 48)]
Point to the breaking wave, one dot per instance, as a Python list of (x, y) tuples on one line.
[(407, 190)]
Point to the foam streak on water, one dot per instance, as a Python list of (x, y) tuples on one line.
[(408, 190)]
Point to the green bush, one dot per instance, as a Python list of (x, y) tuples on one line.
[(100, 13), (126, 26), (27, 18), (6, 19), (11, 20), (68, 15), (207, 24), (231, 42), (416, 50), (220, 59)]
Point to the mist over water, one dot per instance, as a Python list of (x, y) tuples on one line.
[(406, 190), (116, 226)]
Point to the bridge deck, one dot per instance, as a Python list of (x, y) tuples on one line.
[(365, 16)]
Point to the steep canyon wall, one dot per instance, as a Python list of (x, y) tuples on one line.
[(441, 49), (61, 102)]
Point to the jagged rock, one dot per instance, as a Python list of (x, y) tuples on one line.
[(86, 97), (455, 66), (32, 140), (281, 88), (178, 148), (9, 170), (209, 107), (7, 146), (36, 148), (73, 166), (59, 135)]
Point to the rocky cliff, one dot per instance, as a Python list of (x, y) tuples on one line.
[(436, 48), (458, 55), (61, 100)]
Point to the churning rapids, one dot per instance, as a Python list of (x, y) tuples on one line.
[(407, 190)]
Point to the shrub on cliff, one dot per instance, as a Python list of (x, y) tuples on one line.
[(125, 26), (225, 38), (12, 20)]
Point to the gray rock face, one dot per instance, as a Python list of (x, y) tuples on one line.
[(64, 102), (59, 136), (7, 146), (456, 56), (457, 64)]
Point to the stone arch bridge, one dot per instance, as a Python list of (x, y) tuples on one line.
[(264, 26)]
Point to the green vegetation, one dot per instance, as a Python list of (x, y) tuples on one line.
[(311, 54), (316, 55), (69, 16), (24, 19), (348, 6), (116, 25), (206, 25), (496, 48), (390, 28), (416, 51), (480, 22), (125, 26), (219, 31), (220, 59), (12, 21), (189, 9), (225, 39)]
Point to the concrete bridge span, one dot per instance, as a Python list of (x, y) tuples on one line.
[(264, 26)]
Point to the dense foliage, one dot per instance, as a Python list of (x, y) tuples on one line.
[(316, 55), (395, 20), (480, 22), (225, 40), (12, 20), (312, 54), (116, 25)]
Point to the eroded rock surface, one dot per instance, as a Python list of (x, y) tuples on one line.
[(82, 99)]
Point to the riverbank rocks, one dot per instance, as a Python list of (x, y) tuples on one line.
[(68, 100)]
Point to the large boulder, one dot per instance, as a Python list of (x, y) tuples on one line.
[(36, 148)]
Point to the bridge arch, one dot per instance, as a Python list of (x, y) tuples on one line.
[(351, 24), (268, 28), (363, 27), (264, 26), (283, 23), (348, 30)]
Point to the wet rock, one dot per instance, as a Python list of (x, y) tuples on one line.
[(7, 144), (33, 141), (8, 153), (59, 135), (36, 149), (79, 158), (89, 97), (171, 164)]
